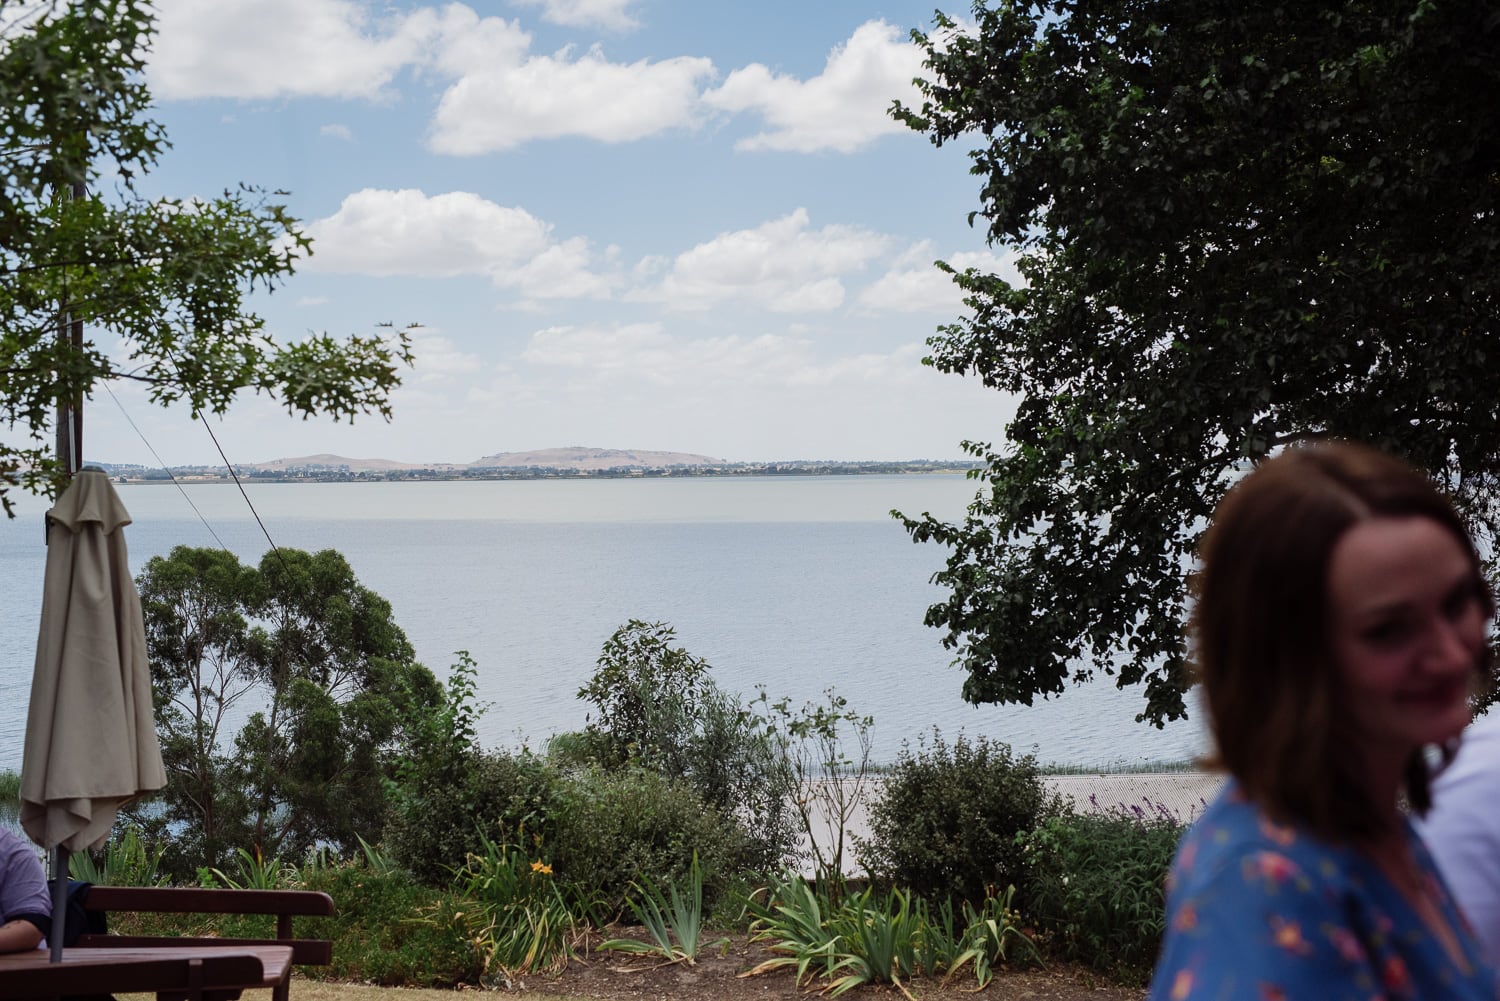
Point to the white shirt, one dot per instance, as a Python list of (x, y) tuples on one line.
[(1462, 829)]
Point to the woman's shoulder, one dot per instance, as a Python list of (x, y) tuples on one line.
[(1237, 843)]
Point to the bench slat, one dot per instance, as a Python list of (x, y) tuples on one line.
[(305, 951), (199, 900)]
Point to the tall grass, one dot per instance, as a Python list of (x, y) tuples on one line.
[(10, 798)]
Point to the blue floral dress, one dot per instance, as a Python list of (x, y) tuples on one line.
[(1257, 911)]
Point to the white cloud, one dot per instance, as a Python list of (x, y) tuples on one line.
[(407, 232), (612, 14), (439, 359), (767, 394), (782, 265), (336, 131), (843, 109), (638, 346), (279, 48), (498, 103), (922, 288)]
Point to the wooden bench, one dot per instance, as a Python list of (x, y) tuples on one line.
[(173, 973), (283, 904)]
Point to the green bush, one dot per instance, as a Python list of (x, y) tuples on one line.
[(434, 831), (657, 707), (946, 822), (612, 828), (450, 794), (1097, 881), (391, 931)]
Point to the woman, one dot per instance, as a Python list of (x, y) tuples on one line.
[(1339, 629)]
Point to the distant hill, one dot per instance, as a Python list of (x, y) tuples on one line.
[(333, 462), (576, 458), (592, 458)]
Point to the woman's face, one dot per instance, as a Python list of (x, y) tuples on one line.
[(1407, 625)]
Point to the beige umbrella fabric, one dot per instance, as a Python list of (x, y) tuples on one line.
[(91, 742)]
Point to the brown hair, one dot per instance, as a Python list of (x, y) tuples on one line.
[(1260, 629)]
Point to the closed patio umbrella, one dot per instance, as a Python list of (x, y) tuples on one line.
[(91, 742)]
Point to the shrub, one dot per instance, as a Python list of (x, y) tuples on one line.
[(450, 794), (1097, 884), (612, 828), (434, 831), (946, 822), (517, 916), (391, 931), (657, 707)]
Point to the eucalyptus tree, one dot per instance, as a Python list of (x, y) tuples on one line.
[(100, 282), (286, 696), (1238, 226)]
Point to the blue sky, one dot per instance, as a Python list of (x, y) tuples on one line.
[(653, 224)]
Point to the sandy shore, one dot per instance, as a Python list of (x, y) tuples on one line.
[(1183, 795)]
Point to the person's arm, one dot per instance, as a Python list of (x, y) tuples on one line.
[(19, 935), (25, 905)]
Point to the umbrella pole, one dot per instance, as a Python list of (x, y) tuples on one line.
[(70, 454), (59, 901)]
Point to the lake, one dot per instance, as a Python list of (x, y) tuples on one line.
[(794, 583)]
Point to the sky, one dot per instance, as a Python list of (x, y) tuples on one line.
[(639, 224)]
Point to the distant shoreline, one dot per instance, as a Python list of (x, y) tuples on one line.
[(445, 473)]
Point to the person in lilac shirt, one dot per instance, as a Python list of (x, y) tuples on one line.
[(1339, 630), (25, 906)]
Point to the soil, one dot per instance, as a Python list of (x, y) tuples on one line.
[(719, 973)]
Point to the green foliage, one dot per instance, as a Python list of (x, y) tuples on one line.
[(646, 692), (390, 930), (166, 278), (256, 873), (1097, 884), (386, 929), (10, 798), (872, 937), (1238, 226), (993, 936), (946, 821), (125, 860), (517, 917), (338, 690), (449, 793), (658, 708), (612, 830), (674, 921), (879, 938), (796, 919), (576, 749)]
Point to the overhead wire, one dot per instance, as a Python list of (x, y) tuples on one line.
[(227, 465), (168, 469)]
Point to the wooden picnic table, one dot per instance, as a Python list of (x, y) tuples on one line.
[(174, 973)]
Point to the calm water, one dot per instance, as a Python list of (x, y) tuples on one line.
[(793, 583)]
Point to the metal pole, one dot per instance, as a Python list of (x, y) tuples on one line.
[(70, 455)]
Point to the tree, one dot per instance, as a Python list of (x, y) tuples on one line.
[(1239, 226), (657, 707), (194, 604), (167, 277), (337, 693)]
